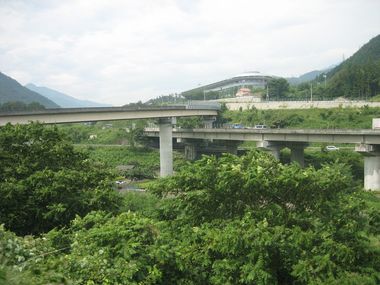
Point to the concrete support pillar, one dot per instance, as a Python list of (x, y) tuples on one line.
[(372, 172), (275, 151), (297, 153), (273, 147), (208, 121), (166, 147), (371, 166), (190, 151)]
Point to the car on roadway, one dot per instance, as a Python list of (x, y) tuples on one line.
[(261, 127), (237, 126), (331, 148)]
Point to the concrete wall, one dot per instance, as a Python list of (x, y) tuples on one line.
[(236, 105), (243, 99), (376, 123)]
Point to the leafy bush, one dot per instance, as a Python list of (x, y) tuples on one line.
[(317, 158), (113, 250), (27, 261), (44, 182), (145, 204), (146, 161), (251, 220), (233, 220)]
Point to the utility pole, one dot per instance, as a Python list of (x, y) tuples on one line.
[(311, 92), (267, 93), (204, 95)]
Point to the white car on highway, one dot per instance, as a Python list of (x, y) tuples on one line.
[(331, 148)]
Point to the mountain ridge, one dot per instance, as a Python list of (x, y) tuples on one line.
[(367, 54), (12, 91), (62, 99), (308, 76), (359, 75)]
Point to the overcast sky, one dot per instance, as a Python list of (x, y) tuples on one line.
[(121, 51)]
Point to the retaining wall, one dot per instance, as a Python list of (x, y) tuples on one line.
[(298, 104)]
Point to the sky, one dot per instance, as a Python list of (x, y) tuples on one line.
[(122, 51)]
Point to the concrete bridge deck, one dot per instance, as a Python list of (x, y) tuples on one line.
[(163, 114), (367, 142), (356, 136), (74, 115)]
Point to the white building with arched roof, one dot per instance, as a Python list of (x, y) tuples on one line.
[(250, 79)]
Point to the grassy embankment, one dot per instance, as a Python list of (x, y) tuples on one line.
[(146, 161), (338, 118)]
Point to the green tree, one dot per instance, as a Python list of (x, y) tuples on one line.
[(44, 182), (135, 135), (233, 220), (28, 261), (190, 122), (113, 250), (278, 87), (251, 220), (21, 106)]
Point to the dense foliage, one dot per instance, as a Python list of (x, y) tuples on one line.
[(166, 99), (318, 156), (44, 182), (356, 81), (251, 220), (20, 106), (116, 132), (228, 220), (339, 118), (145, 161), (278, 88)]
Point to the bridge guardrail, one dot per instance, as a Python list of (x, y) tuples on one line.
[(203, 105)]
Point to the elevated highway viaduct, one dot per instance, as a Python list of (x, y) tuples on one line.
[(367, 142), (163, 115)]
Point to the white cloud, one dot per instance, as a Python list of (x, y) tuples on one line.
[(123, 51)]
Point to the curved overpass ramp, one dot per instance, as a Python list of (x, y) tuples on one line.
[(163, 114), (74, 115)]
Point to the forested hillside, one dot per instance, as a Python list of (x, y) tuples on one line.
[(12, 91), (358, 76), (309, 76), (368, 53), (20, 106)]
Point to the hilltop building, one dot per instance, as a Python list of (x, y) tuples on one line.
[(243, 92), (230, 87)]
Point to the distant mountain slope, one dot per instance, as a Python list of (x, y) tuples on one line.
[(359, 75), (62, 99), (12, 91), (307, 76), (367, 54)]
